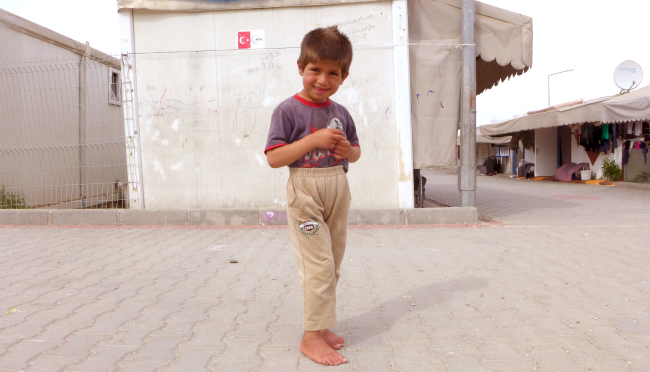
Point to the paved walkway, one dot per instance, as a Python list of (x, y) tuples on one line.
[(545, 203), (556, 287)]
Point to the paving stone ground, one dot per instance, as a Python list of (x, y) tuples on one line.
[(555, 287)]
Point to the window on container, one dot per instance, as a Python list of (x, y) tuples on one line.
[(114, 87)]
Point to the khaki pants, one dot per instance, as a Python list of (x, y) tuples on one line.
[(318, 204)]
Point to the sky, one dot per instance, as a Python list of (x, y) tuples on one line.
[(591, 39)]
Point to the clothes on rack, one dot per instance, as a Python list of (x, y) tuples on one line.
[(605, 146), (584, 136), (597, 139)]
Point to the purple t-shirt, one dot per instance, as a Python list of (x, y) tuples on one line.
[(295, 118)]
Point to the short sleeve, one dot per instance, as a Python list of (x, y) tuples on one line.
[(280, 130), (351, 131)]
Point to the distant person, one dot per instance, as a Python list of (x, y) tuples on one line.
[(316, 138)]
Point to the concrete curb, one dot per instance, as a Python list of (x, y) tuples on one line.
[(228, 217)]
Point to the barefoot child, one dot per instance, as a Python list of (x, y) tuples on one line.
[(316, 138)]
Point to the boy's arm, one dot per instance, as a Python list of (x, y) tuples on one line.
[(354, 153), (287, 154), (344, 150)]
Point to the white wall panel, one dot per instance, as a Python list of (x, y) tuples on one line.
[(205, 107)]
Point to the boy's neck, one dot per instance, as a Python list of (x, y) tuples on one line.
[(310, 102), (302, 94)]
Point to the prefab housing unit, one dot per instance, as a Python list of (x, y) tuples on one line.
[(202, 107), (555, 133), (62, 139)]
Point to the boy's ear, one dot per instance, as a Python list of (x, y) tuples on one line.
[(300, 69), (345, 77)]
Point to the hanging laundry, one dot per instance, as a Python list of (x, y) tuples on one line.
[(638, 129), (628, 127), (605, 146), (597, 138), (644, 150), (584, 136), (605, 129), (613, 129), (626, 152)]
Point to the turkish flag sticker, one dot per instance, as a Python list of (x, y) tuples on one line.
[(244, 40)]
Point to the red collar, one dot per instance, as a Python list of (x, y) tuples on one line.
[(312, 104)]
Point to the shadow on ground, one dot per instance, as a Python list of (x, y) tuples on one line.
[(424, 297)]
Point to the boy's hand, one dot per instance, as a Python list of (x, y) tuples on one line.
[(327, 138), (341, 149)]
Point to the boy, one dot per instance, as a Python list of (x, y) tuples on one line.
[(317, 139)]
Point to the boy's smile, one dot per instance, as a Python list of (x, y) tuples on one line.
[(320, 80)]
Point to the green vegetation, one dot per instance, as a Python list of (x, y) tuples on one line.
[(611, 171), (11, 200)]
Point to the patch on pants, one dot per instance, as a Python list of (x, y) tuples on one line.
[(309, 227)]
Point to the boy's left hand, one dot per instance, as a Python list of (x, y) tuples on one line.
[(341, 149)]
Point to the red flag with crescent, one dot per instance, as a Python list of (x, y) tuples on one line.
[(244, 40)]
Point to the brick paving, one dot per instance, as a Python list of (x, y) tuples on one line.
[(556, 287)]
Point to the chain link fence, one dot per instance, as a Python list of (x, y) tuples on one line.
[(62, 140)]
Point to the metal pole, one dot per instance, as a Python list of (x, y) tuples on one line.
[(82, 124), (549, 84), (467, 168)]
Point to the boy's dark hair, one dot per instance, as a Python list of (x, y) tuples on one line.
[(326, 44)]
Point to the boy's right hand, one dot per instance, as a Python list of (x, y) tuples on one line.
[(326, 138)]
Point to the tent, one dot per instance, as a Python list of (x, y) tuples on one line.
[(632, 106)]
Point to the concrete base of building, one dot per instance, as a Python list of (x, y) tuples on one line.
[(228, 217)]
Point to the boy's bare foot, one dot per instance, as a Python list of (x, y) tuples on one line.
[(314, 346), (332, 339)]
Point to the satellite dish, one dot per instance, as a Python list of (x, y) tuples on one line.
[(628, 75)]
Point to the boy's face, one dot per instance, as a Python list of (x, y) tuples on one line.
[(320, 80)]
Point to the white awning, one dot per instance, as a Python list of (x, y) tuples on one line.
[(633, 106), (494, 140), (504, 48)]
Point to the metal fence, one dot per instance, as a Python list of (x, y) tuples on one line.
[(62, 141)]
